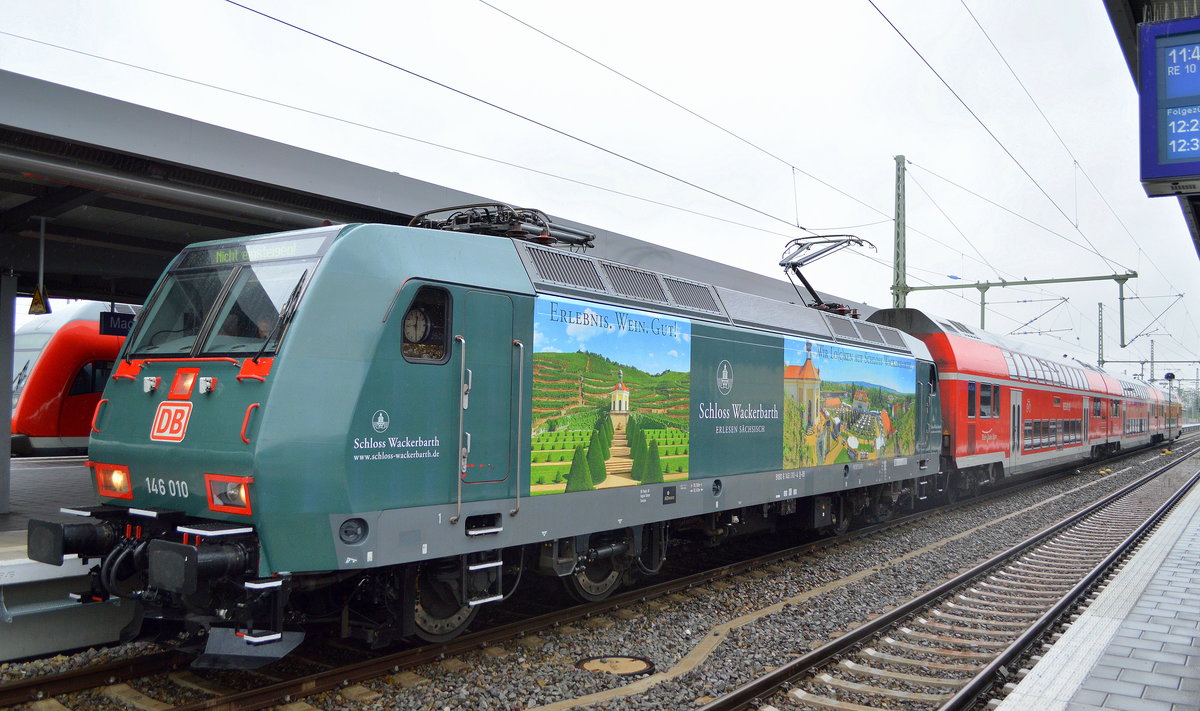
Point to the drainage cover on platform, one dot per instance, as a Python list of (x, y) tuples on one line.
[(621, 666)]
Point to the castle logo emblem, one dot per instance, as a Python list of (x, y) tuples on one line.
[(724, 377), (380, 421)]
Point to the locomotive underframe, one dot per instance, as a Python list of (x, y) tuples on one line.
[(203, 575)]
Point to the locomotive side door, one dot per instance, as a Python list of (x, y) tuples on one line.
[(489, 363)]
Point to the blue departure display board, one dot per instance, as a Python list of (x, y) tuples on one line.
[(1169, 87)]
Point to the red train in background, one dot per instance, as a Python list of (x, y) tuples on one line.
[(1007, 412), (60, 366)]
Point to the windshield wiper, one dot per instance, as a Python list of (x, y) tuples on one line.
[(285, 316), (20, 379)]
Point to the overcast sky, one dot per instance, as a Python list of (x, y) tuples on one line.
[(811, 101)]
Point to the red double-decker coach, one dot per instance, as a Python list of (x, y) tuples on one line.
[(1006, 411)]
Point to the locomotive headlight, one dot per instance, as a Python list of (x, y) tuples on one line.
[(234, 494), (112, 480), (230, 494), (352, 530)]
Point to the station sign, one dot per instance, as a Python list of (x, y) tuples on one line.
[(1169, 106), (115, 323)]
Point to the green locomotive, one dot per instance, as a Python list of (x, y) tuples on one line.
[(379, 427)]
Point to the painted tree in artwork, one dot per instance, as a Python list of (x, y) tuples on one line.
[(595, 458), (604, 427), (637, 452), (652, 472), (579, 478)]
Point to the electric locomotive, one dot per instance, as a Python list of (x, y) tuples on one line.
[(380, 427)]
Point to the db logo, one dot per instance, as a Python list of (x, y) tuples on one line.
[(171, 421)]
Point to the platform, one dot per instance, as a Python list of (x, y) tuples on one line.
[(37, 615), (40, 486), (1138, 645)]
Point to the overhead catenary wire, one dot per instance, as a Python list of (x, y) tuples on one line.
[(1062, 142), (560, 177), (1156, 319), (794, 169), (955, 226), (1018, 215), (396, 134), (1091, 247), (735, 135), (441, 146), (511, 112), (1079, 168)]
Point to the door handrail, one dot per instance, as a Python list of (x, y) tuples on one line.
[(520, 408), (463, 448)]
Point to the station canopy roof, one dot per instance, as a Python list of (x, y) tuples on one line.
[(123, 188)]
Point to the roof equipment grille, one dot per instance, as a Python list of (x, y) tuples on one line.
[(566, 268), (892, 338), (843, 328), (868, 332), (697, 296), (635, 283)]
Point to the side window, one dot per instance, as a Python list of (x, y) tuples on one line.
[(91, 377), (426, 327), (970, 398), (996, 401), (985, 399)]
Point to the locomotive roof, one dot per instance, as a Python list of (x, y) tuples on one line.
[(566, 273)]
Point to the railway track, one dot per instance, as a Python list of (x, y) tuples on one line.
[(949, 646), (270, 691)]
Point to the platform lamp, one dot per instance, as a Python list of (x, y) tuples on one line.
[(1170, 378)]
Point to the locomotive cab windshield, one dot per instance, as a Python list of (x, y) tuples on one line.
[(227, 300)]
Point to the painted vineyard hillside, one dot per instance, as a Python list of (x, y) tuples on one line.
[(599, 424)]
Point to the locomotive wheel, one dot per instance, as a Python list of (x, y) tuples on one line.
[(437, 612), (595, 581), (841, 519)]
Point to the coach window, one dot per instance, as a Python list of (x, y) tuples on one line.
[(426, 327), (985, 399), (1028, 434), (996, 401), (91, 378), (970, 398)]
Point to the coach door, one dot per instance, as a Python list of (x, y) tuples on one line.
[(488, 369), (1087, 419), (1017, 426)]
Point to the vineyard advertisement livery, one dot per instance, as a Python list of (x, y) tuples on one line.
[(624, 398), (611, 394)]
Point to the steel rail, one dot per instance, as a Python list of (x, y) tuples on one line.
[(984, 680), (47, 686), (34, 689), (752, 691)]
